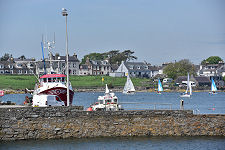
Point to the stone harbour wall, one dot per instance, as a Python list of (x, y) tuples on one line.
[(65, 122)]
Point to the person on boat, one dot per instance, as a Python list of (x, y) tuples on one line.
[(28, 100)]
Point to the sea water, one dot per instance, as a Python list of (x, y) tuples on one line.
[(119, 143), (200, 102)]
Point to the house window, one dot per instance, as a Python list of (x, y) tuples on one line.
[(1, 66), (19, 65), (1, 71), (10, 66), (20, 72), (74, 65), (138, 67)]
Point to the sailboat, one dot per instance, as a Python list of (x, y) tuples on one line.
[(213, 87), (129, 87), (160, 88), (189, 88)]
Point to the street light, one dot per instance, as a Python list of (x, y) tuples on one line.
[(64, 13)]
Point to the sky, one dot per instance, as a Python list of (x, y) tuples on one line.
[(158, 31)]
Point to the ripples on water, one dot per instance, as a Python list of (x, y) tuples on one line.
[(125, 143), (201, 101)]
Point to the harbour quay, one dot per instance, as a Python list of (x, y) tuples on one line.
[(18, 123)]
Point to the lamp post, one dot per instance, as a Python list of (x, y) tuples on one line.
[(64, 13)]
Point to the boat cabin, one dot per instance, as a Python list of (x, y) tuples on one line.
[(53, 78), (107, 101)]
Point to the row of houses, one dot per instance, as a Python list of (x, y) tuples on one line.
[(57, 64)]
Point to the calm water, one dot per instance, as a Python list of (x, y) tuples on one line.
[(124, 143), (201, 101)]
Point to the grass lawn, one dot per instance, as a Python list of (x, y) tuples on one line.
[(17, 82), (28, 81)]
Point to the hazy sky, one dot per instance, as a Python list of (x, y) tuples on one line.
[(156, 30)]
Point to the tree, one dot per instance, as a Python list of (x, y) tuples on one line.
[(6, 57), (212, 60), (113, 56), (181, 68), (22, 57)]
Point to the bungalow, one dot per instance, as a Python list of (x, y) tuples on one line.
[(195, 81)]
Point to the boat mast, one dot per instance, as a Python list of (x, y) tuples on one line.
[(64, 13), (50, 45)]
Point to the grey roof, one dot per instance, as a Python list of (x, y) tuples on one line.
[(153, 68), (143, 66), (114, 66), (202, 79), (180, 79), (29, 59), (199, 79), (221, 69)]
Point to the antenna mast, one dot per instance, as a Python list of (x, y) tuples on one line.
[(50, 45)]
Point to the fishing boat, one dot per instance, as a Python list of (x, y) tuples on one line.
[(108, 102), (160, 88), (129, 87), (213, 87), (54, 84), (189, 89)]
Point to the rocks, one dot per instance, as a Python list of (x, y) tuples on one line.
[(64, 122)]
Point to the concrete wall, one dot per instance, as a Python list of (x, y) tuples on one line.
[(64, 122)]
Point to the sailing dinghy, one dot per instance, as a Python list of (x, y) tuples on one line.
[(129, 87), (189, 89), (213, 87), (160, 88)]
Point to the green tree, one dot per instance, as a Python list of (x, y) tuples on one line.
[(181, 68), (6, 57), (212, 60), (22, 57), (114, 56)]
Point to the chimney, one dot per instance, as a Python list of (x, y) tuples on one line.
[(74, 55)]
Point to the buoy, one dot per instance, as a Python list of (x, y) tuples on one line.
[(89, 109)]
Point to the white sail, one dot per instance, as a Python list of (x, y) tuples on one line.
[(189, 88), (106, 89), (213, 86), (160, 88), (129, 87)]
